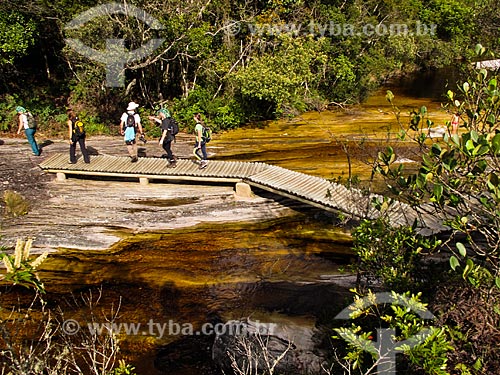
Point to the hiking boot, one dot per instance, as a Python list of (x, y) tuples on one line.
[(203, 164), (172, 163), (134, 159)]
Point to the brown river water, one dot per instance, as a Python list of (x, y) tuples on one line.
[(291, 269), (311, 143)]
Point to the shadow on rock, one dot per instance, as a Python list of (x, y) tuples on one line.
[(45, 143), (188, 355), (92, 151)]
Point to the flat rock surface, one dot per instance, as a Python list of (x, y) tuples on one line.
[(96, 213)]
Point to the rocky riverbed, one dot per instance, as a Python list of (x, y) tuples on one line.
[(96, 213)]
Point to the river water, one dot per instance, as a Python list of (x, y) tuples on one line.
[(291, 270), (312, 143)]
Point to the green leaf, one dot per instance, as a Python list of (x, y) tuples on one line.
[(438, 192), (474, 136), (389, 96), (481, 166), (492, 181), (454, 263), (492, 84), (495, 144), (436, 149), (497, 281), (469, 145), (479, 49), (468, 268), (481, 150), (466, 87), (483, 73), (455, 139), (461, 249)]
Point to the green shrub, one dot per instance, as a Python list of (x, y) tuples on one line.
[(123, 369), (424, 346), (219, 113), (7, 112), (390, 255), (93, 125)]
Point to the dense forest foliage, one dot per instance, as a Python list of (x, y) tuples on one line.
[(234, 61)]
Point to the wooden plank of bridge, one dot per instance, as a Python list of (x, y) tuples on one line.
[(312, 190), (146, 169)]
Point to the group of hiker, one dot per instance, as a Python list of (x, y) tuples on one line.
[(130, 128)]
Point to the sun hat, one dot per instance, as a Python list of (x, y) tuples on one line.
[(132, 106), (164, 111), (20, 109)]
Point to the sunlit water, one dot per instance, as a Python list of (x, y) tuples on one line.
[(312, 143)]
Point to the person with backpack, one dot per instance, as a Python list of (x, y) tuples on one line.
[(130, 124), (76, 134), (28, 123), (169, 129), (202, 134)]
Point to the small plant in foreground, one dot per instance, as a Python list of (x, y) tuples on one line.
[(20, 269)]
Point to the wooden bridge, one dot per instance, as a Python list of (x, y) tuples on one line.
[(315, 191)]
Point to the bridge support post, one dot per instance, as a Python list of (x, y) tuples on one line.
[(144, 180), (243, 191), (61, 176)]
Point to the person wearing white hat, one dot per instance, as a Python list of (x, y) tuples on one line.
[(130, 123)]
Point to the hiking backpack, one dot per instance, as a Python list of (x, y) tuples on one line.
[(31, 120), (78, 127), (206, 134), (130, 120), (174, 126)]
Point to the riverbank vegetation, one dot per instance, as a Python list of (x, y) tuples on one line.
[(30, 331), (456, 273), (234, 61)]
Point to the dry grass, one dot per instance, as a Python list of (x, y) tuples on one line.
[(15, 204)]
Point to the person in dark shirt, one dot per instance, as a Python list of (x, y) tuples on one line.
[(76, 135), (164, 119)]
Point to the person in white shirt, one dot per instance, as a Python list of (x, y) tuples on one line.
[(28, 123), (130, 123)]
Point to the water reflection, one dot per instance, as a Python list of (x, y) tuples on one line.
[(289, 268), (313, 142)]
